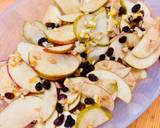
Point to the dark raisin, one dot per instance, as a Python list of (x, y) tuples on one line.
[(112, 58), (38, 86), (131, 48), (159, 57), (59, 121), (81, 106), (138, 19), (83, 55), (89, 101), (119, 60), (102, 57), (52, 25), (110, 51), (136, 8), (62, 96), (87, 67), (123, 39), (122, 11), (9, 95), (64, 88), (70, 122), (46, 84), (126, 29), (59, 108), (92, 77), (42, 40)]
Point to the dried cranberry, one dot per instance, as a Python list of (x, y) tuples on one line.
[(64, 88), (46, 84), (126, 29), (112, 58), (122, 11), (102, 57), (110, 52), (59, 108), (38, 86), (9, 95), (59, 121), (81, 106), (92, 77), (62, 96), (123, 39), (89, 101), (136, 8)]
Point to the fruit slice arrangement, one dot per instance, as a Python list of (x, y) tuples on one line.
[(76, 62)]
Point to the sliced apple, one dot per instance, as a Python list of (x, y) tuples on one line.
[(90, 89), (49, 102), (56, 68), (59, 49), (22, 74), (20, 112), (32, 33), (75, 103), (68, 7), (49, 123), (70, 17), (51, 15), (24, 48), (6, 84), (92, 116), (150, 42), (142, 63), (124, 92), (91, 5), (62, 35), (113, 66), (40, 25)]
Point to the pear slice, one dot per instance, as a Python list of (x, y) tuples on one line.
[(124, 92), (62, 35), (92, 116), (91, 5), (49, 123), (49, 102), (70, 17), (75, 103), (22, 74), (56, 68), (113, 66), (150, 42), (142, 63), (68, 7), (20, 112), (32, 33), (90, 89), (59, 49), (51, 15)]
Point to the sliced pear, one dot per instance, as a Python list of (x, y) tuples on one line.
[(142, 63), (22, 74), (32, 33), (90, 89), (40, 25), (75, 103), (62, 35), (70, 17), (24, 48), (68, 7), (91, 5), (150, 42), (49, 102), (49, 123), (92, 116), (20, 112), (51, 15), (59, 49), (113, 66), (6, 84), (56, 68), (124, 92)]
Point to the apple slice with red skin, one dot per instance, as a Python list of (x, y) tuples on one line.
[(22, 74)]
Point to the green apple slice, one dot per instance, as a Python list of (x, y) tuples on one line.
[(113, 66), (149, 43), (59, 49), (93, 116), (20, 112), (143, 63), (32, 33), (51, 15), (70, 17), (22, 74), (49, 102), (91, 5), (55, 64), (124, 92), (68, 7), (90, 89), (49, 122), (62, 35)]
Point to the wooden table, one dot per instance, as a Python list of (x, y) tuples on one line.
[(150, 119)]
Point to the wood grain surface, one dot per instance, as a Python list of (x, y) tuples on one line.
[(150, 119)]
